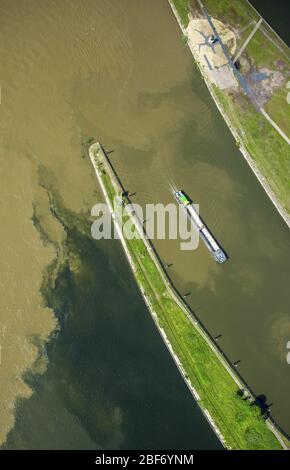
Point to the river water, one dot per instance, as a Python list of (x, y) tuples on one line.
[(120, 71), (277, 15)]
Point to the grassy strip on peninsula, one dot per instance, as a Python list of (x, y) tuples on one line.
[(239, 421)]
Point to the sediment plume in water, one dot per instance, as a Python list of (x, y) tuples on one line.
[(26, 251)]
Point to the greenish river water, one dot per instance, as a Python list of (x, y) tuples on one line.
[(119, 71), (110, 382)]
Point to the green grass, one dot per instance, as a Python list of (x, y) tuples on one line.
[(241, 424), (236, 13), (263, 143), (263, 52), (267, 148), (182, 7), (109, 186)]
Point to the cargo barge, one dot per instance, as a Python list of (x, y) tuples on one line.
[(197, 222)]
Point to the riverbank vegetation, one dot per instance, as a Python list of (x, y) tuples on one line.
[(265, 66), (183, 8), (239, 420), (260, 139)]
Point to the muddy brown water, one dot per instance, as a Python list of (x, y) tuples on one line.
[(120, 71)]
